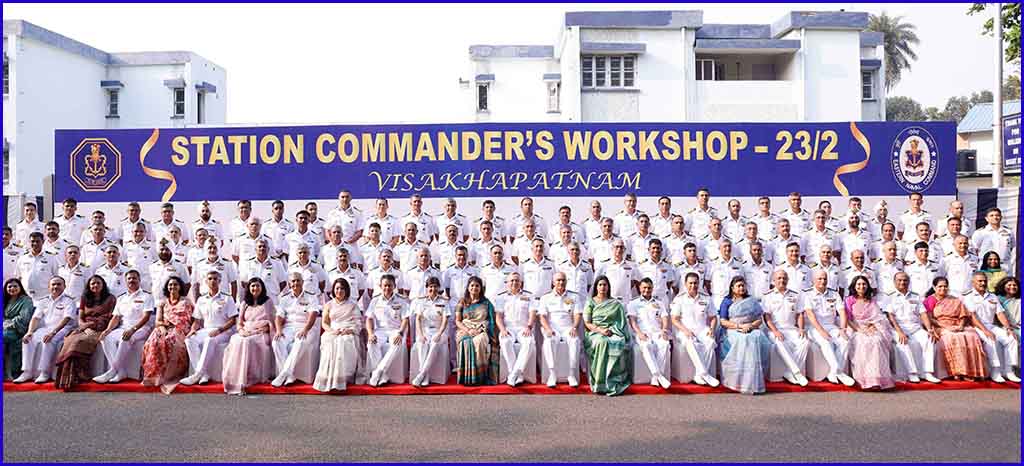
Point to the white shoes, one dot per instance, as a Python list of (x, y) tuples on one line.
[(25, 377), (116, 378), (416, 380), (421, 380), (800, 379), (711, 381), (664, 382), (552, 380), (513, 379), (192, 379), (832, 378), (998, 378), (846, 380), (1012, 377), (913, 378), (104, 377), (699, 380), (931, 378), (374, 380), (790, 378), (43, 378), (573, 381)]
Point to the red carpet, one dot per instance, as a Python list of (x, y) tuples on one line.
[(528, 389)]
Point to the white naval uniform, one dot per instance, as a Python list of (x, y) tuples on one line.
[(295, 239), (592, 227), (625, 223), (799, 222), (406, 253), (836, 276), (887, 274), (139, 256), (387, 315), (1003, 351), (245, 247), (922, 275), (35, 272), (661, 226), (441, 222), (293, 356), (826, 308), (662, 274), (540, 227), (849, 273), (23, 229), (71, 228), (759, 278), (271, 271), (638, 245), (935, 252), (537, 275), (766, 226), (522, 247), (815, 239), (849, 242), (800, 276), (37, 356), (578, 233), (675, 247), (312, 274), (720, 274), (356, 279), (480, 251), (11, 254), (494, 278), (959, 270), (699, 267), (416, 280), (785, 307), (455, 279), (560, 309), (709, 248), (430, 315), (128, 229), (698, 220), (350, 220), (389, 226), (517, 348), (917, 355), (648, 314), (277, 230), (779, 245), (212, 227), (622, 277), (131, 308), (159, 272), (375, 275), (75, 279), (228, 273), (426, 228), (203, 348), (908, 221), (329, 255), (601, 248), (443, 254), (733, 227), (161, 230), (499, 228), (741, 249), (371, 253), (694, 312), (57, 248), (114, 276), (1001, 240), (578, 277)]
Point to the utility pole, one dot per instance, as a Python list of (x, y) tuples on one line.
[(997, 102)]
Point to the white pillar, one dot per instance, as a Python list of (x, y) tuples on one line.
[(997, 102)]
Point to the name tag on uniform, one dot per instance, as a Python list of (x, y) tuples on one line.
[(568, 301), (138, 301), (524, 298)]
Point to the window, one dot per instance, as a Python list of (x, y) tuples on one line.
[(481, 97), (608, 71), (7, 169), (867, 88), (200, 101), (179, 101), (7, 77), (112, 98), (708, 70), (554, 91)]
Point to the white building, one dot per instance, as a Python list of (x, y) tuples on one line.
[(671, 66), (52, 81)]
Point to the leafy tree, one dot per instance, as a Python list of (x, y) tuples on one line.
[(899, 42), (934, 114), (902, 108), (1011, 88), (1011, 27)]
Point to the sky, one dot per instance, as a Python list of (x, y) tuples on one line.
[(304, 64)]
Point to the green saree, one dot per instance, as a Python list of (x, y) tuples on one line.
[(17, 315), (611, 358)]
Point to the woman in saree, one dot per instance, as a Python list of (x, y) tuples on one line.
[(1008, 292), (248, 358), (871, 343), (992, 265), (607, 344), (18, 310), (476, 337), (745, 350), (164, 356), (95, 309), (341, 359), (961, 346)]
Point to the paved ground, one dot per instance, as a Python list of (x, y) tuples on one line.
[(979, 425)]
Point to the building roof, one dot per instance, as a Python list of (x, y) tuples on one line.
[(979, 117), (28, 30), (641, 19)]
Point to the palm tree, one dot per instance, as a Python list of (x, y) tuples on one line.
[(900, 38)]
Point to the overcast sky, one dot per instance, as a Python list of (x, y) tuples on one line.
[(398, 63)]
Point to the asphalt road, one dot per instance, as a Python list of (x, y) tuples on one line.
[(977, 425)]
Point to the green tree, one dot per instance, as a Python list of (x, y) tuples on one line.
[(899, 42), (934, 114), (1011, 88), (957, 107), (902, 108), (1011, 27)]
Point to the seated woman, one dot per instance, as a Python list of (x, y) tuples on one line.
[(248, 359), (165, 357), (961, 345), (992, 265), (18, 310), (1008, 291), (341, 359), (745, 350), (608, 345), (871, 343), (476, 337), (431, 314), (95, 310), (50, 323)]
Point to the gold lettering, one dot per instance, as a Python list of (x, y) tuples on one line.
[(470, 146), (200, 142), (514, 145), (348, 148), (236, 146), (492, 145), (717, 145), (624, 141), (737, 142), (293, 148), (447, 146), (180, 147), (425, 148), (576, 142), (607, 151), (399, 147), (670, 139), (373, 147), (266, 156), (327, 157), (690, 145), (545, 149), (219, 152)]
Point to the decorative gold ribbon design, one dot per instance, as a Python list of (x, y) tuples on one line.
[(852, 167), (158, 174)]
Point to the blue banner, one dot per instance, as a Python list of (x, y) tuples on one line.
[(495, 160), (1011, 142)]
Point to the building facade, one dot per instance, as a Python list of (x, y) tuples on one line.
[(52, 81), (671, 66)]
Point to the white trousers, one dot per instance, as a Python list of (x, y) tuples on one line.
[(118, 352), (517, 350), (381, 355), (203, 350), (290, 350), (1004, 349), (551, 353), (834, 349), (701, 349), (917, 355), (428, 351), (792, 350), (36, 356), (655, 351)]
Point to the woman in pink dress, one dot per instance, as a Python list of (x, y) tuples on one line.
[(871, 344), (341, 358), (164, 356), (248, 359)]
